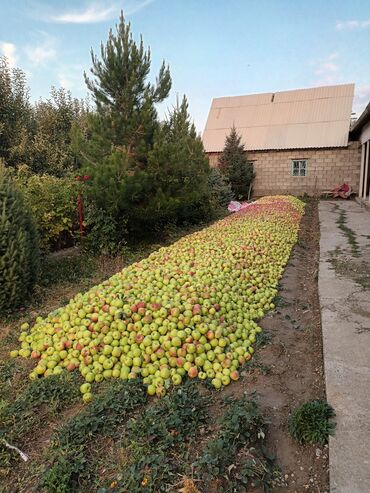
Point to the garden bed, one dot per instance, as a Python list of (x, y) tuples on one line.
[(286, 371)]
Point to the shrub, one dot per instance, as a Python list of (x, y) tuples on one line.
[(19, 248), (312, 422), (53, 202), (105, 235)]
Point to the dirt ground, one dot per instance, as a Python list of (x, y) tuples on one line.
[(296, 361), (289, 369)]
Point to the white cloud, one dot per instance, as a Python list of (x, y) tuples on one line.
[(328, 70), (88, 16), (9, 50), (42, 51), (351, 25), (97, 13)]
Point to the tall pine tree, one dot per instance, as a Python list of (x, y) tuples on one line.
[(125, 99), (234, 164), (178, 166), (121, 131)]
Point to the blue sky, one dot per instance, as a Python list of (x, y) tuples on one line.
[(214, 47)]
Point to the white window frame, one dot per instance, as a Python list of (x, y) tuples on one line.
[(302, 168)]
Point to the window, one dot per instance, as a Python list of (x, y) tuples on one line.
[(299, 167)]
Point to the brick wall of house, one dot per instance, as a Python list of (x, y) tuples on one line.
[(327, 168)]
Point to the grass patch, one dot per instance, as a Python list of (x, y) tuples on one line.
[(356, 270), (348, 232), (20, 420), (312, 422), (68, 269)]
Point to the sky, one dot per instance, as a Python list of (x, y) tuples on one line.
[(213, 47)]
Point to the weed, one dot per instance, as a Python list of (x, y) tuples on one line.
[(156, 440), (294, 322), (101, 417), (241, 425), (357, 270), (280, 302), (348, 232), (255, 364), (47, 395), (263, 339), (312, 422), (260, 469)]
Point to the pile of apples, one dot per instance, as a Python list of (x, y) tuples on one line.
[(187, 310)]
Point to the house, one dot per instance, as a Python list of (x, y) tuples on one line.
[(299, 141), (361, 131)]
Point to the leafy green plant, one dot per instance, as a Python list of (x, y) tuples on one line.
[(105, 235), (242, 425), (312, 422), (6, 370), (19, 247), (53, 202), (47, 396), (259, 468), (156, 440), (69, 462)]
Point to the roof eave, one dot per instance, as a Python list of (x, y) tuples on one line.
[(311, 148)]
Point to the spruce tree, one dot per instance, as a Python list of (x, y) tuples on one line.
[(220, 188), (19, 249), (234, 164)]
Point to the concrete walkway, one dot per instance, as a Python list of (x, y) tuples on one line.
[(344, 288)]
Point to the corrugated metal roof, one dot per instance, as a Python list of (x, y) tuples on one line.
[(304, 118)]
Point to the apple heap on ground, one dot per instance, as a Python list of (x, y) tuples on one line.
[(189, 309)]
